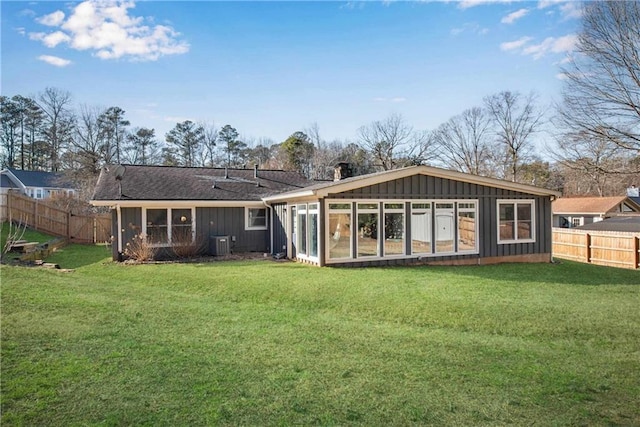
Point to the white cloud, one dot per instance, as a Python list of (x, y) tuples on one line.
[(568, 9), (54, 60), (394, 100), (466, 4), (21, 31), (514, 16), (52, 20), (51, 39), (515, 45), (106, 28), (471, 27), (177, 119), (552, 45)]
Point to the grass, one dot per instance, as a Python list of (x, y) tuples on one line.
[(30, 235), (266, 343)]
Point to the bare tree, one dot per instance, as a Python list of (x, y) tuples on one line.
[(592, 161), (86, 143), (516, 118), (59, 122), (393, 143), (209, 143), (601, 97), (463, 141)]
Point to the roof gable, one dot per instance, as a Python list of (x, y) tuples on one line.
[(591, 205), (348, 184), (40, 179), (193, 183)]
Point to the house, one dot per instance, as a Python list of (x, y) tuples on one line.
[(629, 223), (569, 212), (415, 214), (35, 184)]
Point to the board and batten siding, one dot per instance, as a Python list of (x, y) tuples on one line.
[(131, 225), (279, 227), (434, 188), (230, 222)]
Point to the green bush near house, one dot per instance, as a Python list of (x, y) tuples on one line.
[(280, 343)]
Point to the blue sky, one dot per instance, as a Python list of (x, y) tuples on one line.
[(272, 68)]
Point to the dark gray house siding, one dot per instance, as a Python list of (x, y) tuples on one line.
[(131, 223), (230, 222), (279, 227)]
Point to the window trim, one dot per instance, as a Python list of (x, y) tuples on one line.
[(355, 259), (307, 209), (168, 243), (247, 227), (515, 203)]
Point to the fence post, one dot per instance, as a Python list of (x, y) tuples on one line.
[(588, 246), (636, 251), (69, 226), (36, 223)]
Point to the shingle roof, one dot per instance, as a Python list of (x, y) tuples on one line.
[(586, 204), (40, 179), (194, 183), (618, 223)]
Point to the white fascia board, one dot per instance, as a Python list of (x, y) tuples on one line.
[(178, 203), (304, 194), (15, 179)]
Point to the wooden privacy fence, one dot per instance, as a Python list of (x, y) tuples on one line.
[(610, 248), (43, 216)]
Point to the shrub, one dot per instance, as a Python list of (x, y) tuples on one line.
[(139, 249), (184, 246)]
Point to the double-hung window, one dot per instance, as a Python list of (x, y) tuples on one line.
[(169, 226), (255, 218), (516, 221)]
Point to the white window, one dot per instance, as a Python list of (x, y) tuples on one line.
[(576, 221), (368, 230), (420, 228), (339, 231), (255, 218), (307, 229), (467, 227), (39, 193), (516, 221), (164, 226), (394, 243)]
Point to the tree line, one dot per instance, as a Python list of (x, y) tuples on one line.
[(595, 148)]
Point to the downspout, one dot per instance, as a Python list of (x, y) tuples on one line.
[(119, 216), (552, 198), (267, 205)]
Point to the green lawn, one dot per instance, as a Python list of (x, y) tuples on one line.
[(279, 343), (29, 235)]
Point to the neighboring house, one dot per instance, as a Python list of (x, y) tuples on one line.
[(629, 223), (35, 184), (415, 214), (569, 212)]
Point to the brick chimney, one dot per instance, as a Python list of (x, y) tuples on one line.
[(341, 171)]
